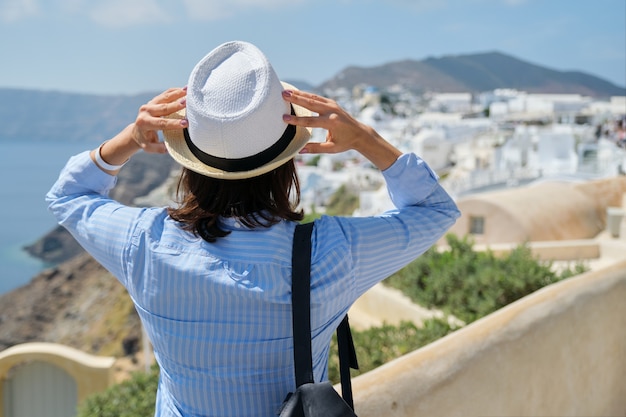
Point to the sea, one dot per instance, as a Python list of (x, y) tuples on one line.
[(27, 171)]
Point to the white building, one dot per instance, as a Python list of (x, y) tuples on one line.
[(520, 104), (452, 102)]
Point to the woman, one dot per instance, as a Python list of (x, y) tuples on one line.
[(210, 278)]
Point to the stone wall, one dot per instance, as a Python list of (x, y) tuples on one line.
[(558, 352)]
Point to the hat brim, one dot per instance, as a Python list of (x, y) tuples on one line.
[(178, 149)]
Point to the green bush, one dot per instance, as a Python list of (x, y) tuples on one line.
[(314, 161), (470, 284), (343, 202), (134, 397), (379, 345)]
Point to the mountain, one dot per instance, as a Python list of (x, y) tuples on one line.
[(474, 73), (50, 115)]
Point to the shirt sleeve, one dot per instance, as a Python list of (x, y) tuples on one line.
[(102, 226), (373, 248)]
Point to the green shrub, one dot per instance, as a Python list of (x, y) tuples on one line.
[(379, 345), (134, 397), (343, 202), (314, 161), (470, 284), (310, 216)]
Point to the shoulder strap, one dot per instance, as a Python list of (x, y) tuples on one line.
[(347, 359), (301, 318), (301, 303)]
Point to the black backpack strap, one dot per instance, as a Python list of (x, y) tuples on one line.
[(301, 303), (347, 359), (301, 319)]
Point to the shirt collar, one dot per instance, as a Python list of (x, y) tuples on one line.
[(232, 223)]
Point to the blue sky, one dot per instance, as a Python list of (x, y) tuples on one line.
[(131, 46)]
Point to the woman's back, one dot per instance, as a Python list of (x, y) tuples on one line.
[(219, 315)]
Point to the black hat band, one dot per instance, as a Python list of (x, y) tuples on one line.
[(247, 163)]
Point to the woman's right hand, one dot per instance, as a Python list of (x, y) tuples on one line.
[(143, 133), (344, 132), (150, 119)]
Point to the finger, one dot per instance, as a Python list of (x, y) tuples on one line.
[(300, 94), (319, 147), (169, 95), (154, 147), (146, 121), (309, 101), (163, 109), (305, 121)]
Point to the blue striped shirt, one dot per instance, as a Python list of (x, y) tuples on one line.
[(219, 314)]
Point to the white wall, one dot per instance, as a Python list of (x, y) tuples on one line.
[(558, 352)]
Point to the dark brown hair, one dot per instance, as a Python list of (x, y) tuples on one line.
[(256, 202)]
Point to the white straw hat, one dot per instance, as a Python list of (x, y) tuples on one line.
[(235, 111)]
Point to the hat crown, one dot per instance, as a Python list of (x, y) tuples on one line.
[(234, 102), (235, 114)]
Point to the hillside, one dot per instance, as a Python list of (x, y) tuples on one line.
[(77, 303), (52, 115), (475, 73)]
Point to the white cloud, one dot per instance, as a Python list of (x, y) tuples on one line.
[(421, 5), (13, 10), (208, 10), (72, 6), (220, 9), (124, 13)]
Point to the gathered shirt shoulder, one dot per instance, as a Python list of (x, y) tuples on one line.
[(219, 314)]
